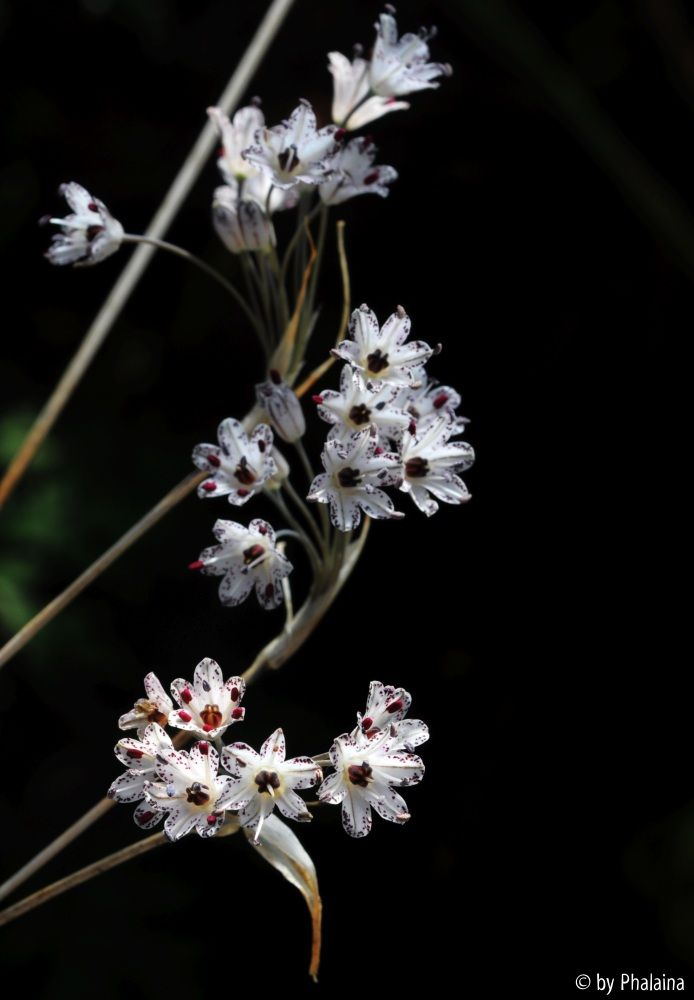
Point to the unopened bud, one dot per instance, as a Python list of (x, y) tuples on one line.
[(241, 225), (282, 406)]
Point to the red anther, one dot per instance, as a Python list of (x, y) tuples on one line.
[(214, 460), (262, 529), (242, 493), (198, 564), (413, 427), (317, 399), (372, 177), (186, 695), (440, 400), (238, 713), (207, 729), (395, 706), (145, 817), (211, 820), (135, 754), (367, 723), (378, 450), (234, 694), (184, 716), (93, 207), (340, 134), (204, 748), (209, 487)]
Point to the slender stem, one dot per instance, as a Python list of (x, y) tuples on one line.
[(305, 512), (78, 877), (304, 221), (55, 847), (318, 372), (309, 615), (250, 277), (18, 641), (311, 550), (210, 271), (134, 269), (323, 510)]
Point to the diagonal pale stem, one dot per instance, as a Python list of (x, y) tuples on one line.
[(134, 269), (28, 631), (78, 877)]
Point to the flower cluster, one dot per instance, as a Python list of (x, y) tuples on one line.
[(391, 426), (187, 790)]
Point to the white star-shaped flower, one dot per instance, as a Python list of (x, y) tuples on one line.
[(238, 466), (295, 151), (354, 473), (189, 791), (140, 758), (264, 780), (385, 712), (156, 707), (430, 399), (353, 103), (401, 65), (246, 182), (430, 463), (90, 233), (354, 173), (210, 704), (356, 407), (366, 776), (246, 558), (381, 354)]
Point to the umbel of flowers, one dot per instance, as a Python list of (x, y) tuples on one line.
[(188, 791)]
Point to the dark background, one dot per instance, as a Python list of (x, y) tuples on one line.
[(535, 231)]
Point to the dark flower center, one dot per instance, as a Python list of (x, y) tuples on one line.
[(377, 361), (197, 794), (416, 467), (360, 414), (359, 774), (348, 478), (265, 780), (244, 473)]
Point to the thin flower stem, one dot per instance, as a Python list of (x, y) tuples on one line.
[(311, 550), (259, 303), (55, 847), (311, 296), (25, 634), (318, 372), (210, 271), (78, 877), (305, 512), (280, 649), (134, 269), (323, 510), (304, 221)]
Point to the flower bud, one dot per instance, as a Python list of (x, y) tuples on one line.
[(241, 225), (282, 406)]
